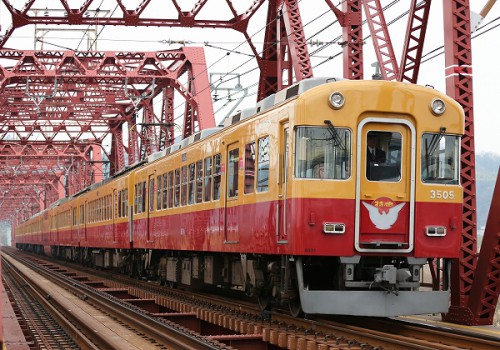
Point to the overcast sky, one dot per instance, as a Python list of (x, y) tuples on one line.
[(485, 49)]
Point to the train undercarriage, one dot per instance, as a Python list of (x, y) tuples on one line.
[(371, 286)]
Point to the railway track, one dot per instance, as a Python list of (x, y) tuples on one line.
[(276, 328), (152, 331)]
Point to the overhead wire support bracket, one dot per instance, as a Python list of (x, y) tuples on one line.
[(39, 98), (136, 99)]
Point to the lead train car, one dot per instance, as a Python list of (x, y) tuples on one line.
[(284, 202)]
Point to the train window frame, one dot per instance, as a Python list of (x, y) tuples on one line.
[(140, 198), (151, 194), (136, 196), (164, 194), (191, 183), (199, 181), (207, 183), (446, 162), (233, 157), (125, 203), (177, 188), (184, 185), (217, 176), (159, 182), (143, 198), (321, 161), (250, 162), (170, 193), (263, 159)]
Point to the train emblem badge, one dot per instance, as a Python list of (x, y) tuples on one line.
[(383, 212)]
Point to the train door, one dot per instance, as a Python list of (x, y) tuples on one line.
[(231, 210), (385, 187), (281, 219)]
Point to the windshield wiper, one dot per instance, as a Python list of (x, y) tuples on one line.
[(337, 141), (436, 138)]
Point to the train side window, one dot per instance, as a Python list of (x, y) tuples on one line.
[(217, 176), (440, 158), (88, 210), (208, 179), (119, 204), (151, 194), (122, 204), (140, 198), (164, 191), (232, 173), (125, 203), (177, 196), (199, 181), (142, 203), (184, 175), (109, 207), (170, 193), (159, 191), (263, 165), (192, 183), (136, 198), (249, 167), (323, 153)]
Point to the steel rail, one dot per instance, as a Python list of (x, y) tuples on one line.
[(54, 309), (163, 331)]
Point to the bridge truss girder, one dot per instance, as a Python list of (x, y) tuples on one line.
[(82, 96)]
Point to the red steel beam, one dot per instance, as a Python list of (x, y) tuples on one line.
[(285, 53), (381, 39), (414, 40), (486, 287), (350, 18), (458, 62)]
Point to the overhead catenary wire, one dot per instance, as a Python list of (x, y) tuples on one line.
[(313, 54)]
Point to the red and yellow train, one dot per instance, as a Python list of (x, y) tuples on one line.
[(330, 196)]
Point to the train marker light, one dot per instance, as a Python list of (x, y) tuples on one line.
[(336, 100), (438, 106), (333, 227), (435, 231)]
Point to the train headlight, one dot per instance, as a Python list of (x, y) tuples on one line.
[(438, 106), (336, 100)]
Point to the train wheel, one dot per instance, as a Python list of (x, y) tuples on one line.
[(264, 302), (295, 307)]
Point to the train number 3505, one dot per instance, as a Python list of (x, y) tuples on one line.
[(438, 194)]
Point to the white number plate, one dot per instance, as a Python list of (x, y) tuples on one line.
[(439, 194)]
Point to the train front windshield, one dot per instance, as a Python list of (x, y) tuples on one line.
[(440, 158), (323, 153)]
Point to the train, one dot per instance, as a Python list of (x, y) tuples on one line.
[(287, 203)]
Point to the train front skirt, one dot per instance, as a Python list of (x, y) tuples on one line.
[(370, 302)]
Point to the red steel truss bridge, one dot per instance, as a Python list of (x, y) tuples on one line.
[(58, 107)]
